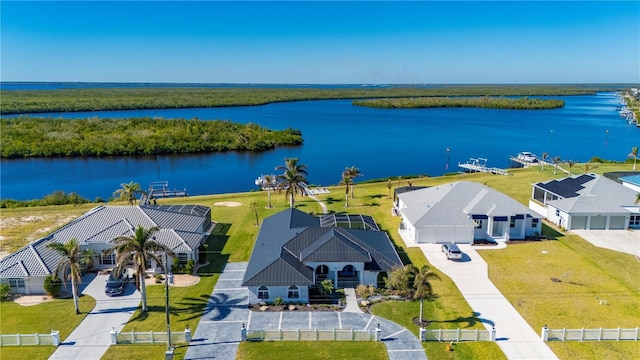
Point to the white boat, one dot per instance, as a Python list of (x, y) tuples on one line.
[(260, 181), (526, 156)]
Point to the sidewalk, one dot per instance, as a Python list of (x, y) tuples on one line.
[(91, 339), (513, 334)]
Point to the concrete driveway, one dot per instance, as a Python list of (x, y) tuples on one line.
[(513, 334), (91, 339), (625, 241)]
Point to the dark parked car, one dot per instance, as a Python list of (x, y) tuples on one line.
[(452, 251), (115, 283)]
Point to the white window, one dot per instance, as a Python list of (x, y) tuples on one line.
[(635, 220), (293, 292), (16, 283), (108, 259), (512, 222), (263, 292)]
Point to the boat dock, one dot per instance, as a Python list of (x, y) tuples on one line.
[(160, 189), (479, 165)]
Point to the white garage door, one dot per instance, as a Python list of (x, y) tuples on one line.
[(579, 222), (441, 235), (617, 222), (598, 222)]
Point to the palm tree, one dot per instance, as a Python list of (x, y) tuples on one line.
[(292, 178), (588, 166), (423, 286), (346, 181), (267, 181), (128, 192), (634, 154), (545, 155), (352, 173), (139, 247), (570, 163), (556, 160), (254, 207), (389, 185), (71, 264)]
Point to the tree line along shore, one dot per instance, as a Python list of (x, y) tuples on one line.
[(104, 99), (54, 137), (523, 103)]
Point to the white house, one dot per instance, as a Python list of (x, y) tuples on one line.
[(587, 201), (183, 228), (461, 212), (294, 252)]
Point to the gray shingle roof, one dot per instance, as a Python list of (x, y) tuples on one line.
[(180, 231), (454, 203), (289, 238)]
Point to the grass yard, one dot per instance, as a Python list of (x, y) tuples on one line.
[(41, 318), (520, 271), (322, 350)]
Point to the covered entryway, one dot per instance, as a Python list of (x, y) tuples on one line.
[(322, 272), (348, 277)]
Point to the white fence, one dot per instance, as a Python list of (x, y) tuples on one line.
[(457, 335), (310, 334), (29, 339), (149, 337), (589, 334)]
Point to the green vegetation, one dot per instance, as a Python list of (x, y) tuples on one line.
[(30, 137), (524, 103), (599, 271), (57, 198), (41, 319), (320, 350), (69, 100)]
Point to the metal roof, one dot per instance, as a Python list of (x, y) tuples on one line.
[(179, 231), (289, 238)]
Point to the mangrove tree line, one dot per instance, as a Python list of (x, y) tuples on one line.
[(523, 103), (97, 99), (55, 137)]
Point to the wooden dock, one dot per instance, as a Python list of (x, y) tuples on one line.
[(479, 165)]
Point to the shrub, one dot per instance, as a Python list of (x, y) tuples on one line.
[(189, 267), (5, 291), (279, 301), (158, 279), (52, 285)]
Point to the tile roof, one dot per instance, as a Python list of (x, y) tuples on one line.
[(179, 230), (290, 238)]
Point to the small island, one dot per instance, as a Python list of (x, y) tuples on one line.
[(523, 103), (54, 137)]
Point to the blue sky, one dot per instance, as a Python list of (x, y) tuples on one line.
[(321, 42)]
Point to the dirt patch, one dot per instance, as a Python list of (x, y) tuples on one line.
[(29, 300), (228, 203), (180, 280)]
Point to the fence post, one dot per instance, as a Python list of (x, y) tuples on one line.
[(37, 339), (55, 338), (378, 333), (618, 334), (317, 334), (564, 333), (458, 336), (334, 334), (581, 334), (243, 332), (151, 335), (114, 336), (423, 334), (637, 332), (298, 332), (439, 334), (544, 334), (187, 335), (20, 342), (493, 333)]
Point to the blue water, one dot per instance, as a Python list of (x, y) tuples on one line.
[(380, 142)]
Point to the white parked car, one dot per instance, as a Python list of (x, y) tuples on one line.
[(452, 251)]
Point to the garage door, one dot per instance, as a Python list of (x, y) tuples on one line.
[(598, 222), (579, 222), (617, 222)]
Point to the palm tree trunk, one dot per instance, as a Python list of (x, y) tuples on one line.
[(634, 163), (352, 186), (74, 291), (269, 198), (143, 290), (291, 201), (421, 301), (346, 200)]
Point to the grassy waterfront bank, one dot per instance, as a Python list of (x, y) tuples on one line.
[(599, 270), (70, 100)]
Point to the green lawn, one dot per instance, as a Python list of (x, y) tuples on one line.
[(41, 318), (321, 350), (520, 271)]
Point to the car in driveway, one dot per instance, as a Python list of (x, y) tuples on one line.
[(452, 251), (116, 283)]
